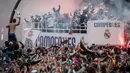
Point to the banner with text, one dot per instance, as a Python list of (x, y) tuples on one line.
[(48, 39), (105, 32), (100, 32)]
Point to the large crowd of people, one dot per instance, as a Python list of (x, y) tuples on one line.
[(15, 58)]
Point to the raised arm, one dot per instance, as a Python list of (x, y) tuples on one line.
[(59, 8), (22, 45), (26, 20), (19, 21)]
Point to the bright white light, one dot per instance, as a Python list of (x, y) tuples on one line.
[(86, 15), (85, 7), (2, 36), (121, 39)]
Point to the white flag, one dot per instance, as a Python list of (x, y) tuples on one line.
[(31, 34)]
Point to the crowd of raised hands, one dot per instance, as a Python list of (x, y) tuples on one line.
[(72, 59), (78, 59)]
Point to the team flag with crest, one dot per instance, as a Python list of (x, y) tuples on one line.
[(31, 34)]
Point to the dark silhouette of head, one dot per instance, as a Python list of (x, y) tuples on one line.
[(7, 43), (14, 20), (54, 9)]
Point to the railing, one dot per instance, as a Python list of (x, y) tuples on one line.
[(57, 30), (62, 28)]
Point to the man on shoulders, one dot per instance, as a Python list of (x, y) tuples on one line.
[(11, 29)]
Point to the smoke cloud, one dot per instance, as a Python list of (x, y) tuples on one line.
[(120, 9)]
